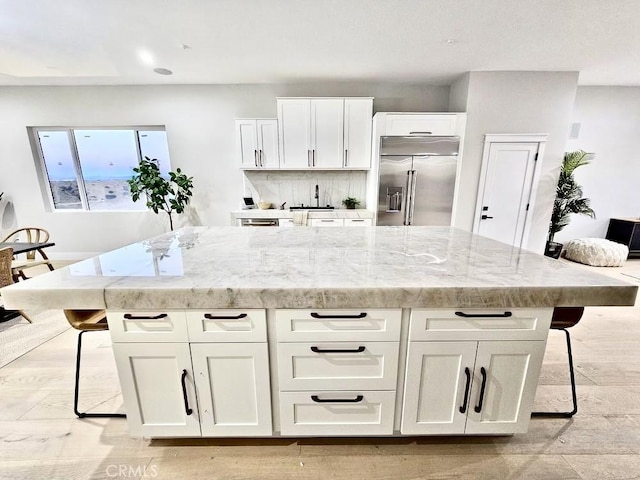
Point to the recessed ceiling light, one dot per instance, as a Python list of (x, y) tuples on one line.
[(145, 57), (451, 41), (163, 71)]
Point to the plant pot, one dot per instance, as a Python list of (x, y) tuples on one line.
[(553, 249), (352, 207)]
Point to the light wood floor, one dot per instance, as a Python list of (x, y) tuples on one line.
[(40, 438)]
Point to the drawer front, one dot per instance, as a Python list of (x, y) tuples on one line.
[(338, 325), (228, 325), (357, 222), (337, 413), (326, 222), (480, 324), (421, 125), (147, 326), (338, 366), (286, 222)]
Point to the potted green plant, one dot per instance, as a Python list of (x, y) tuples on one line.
[(350, 202), (169, 195), (569, 199)]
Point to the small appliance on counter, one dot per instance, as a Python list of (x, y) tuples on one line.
[(248, 203)]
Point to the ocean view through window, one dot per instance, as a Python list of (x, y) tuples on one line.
[(88, 168)]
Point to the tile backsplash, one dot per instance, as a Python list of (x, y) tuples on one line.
[(296, 187)]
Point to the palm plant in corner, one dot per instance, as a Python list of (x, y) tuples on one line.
[(569, 199), (169, 195)]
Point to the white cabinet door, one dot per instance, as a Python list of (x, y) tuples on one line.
[(437, 387), (234, 396), (294, 128), (504, 385), (358, 113), (421, 124), (327, 116), (326, 222), (247, 143), (158, 389), (267, 134)]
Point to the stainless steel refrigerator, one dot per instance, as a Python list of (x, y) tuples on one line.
[(417, 180)]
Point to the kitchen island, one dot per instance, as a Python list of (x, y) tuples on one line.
[(227, 331)]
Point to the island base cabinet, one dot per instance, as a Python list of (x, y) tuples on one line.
[(481, 387), (158, 389), (337, 413), (232, 381)]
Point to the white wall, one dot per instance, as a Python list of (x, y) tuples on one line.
[(516, 102), (609, 119), (200, 126)]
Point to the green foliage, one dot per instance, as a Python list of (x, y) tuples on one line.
[(169, 195), (569, 198), (351, 202)]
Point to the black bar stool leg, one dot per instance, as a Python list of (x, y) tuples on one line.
[(574, 396), (77, 388)]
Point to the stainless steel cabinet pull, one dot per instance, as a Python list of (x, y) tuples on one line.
[(483, 372), (463, 408), (484, 315), (129, 316), (417, 133), (317, 399), (360, 349), (224, 317), (183, 381), (407, 204), (358, 315), (412, 204)]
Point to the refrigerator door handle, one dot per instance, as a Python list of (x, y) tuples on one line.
[(412, 205), (409, 199)]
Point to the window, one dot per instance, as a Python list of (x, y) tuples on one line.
[(88, 168)]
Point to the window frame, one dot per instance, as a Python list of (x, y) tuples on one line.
[(84, 200)]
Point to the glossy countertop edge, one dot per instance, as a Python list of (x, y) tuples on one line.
[(463, 297)]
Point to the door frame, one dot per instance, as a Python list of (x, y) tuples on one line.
[(489, 139)]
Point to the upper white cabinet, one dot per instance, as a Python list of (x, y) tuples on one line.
[(421, 124), (258, 143), (325, 133)]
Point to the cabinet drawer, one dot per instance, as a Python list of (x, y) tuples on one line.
[(326, 222), (407, 124), (480, 324), (147, 326), (338, 366), (338, 325), (357, 222), (227, 325), (286, 222), (337, 413)]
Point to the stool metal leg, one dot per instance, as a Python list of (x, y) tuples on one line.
[(573, 387), (77, 385)]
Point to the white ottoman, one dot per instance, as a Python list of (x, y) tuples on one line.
[(597, 252)]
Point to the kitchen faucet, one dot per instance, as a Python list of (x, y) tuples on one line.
[(317, 196)]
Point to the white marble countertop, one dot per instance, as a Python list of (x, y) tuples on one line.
[(375, 267), (275, 213)]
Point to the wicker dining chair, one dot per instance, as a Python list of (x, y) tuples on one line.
[(29, 259), (6, 276)]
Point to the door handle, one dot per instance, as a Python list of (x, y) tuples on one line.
[(261, 159), (407, 202), (463, 408), (412, 205), (317, 399), (346, 157), (255, 157), (483, 372), (308, 158), (485, 217), (183, 381), (208, 316)]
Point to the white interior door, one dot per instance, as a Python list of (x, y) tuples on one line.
[(505, 190)]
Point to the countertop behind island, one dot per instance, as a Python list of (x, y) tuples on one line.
[(376, 267)]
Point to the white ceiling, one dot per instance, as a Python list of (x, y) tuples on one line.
[(96, 42)]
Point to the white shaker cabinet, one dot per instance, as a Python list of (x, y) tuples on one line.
[(158, 389), (325, 133), (232, 380), (357, 132), (459, 388), (421, 124), (257, 142)]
